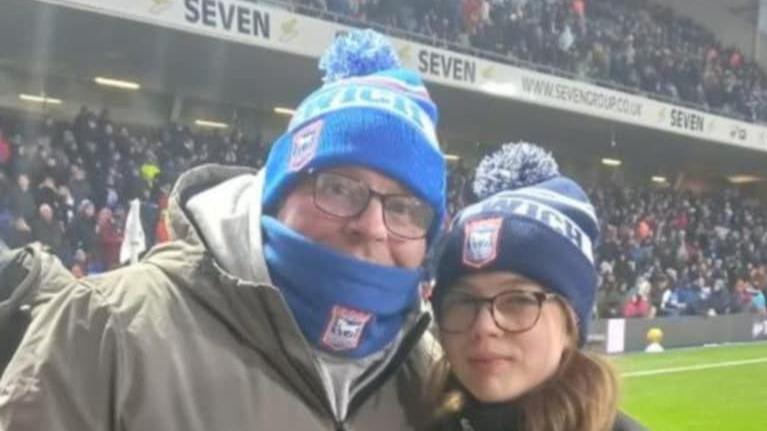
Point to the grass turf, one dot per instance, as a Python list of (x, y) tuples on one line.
[(730, 397)]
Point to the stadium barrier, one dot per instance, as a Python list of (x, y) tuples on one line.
[(630, 335)]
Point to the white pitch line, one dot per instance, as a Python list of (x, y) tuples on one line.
[(693, 367)]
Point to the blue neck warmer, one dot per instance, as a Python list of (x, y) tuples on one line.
[(343, 305)]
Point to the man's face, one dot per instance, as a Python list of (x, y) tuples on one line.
[(105, 215), (46, 213), (365, 236), (23, 182)]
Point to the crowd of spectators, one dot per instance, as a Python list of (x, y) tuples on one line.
[(636, 44), (670, 253), (68, 185), (663, 252)]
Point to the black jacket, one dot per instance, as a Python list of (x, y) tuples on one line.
[(499, 417)]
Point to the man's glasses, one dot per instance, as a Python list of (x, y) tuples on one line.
[(404, 215), (512, 310)]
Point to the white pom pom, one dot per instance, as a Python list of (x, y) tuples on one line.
[(358, 53), (513, 166)]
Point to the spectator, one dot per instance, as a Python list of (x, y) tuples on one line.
[(643, 230), (150, 170), (48, 231), (672, 305), (625, 269), (743, 295), (46, 193), (82, 232), (758, 303), (20, 233), (86, 126), (80, 266), (22, 201), (719, 300), (611, 298), (637, 306), (109, 239), (5, 151), (5, 210), (690, 296), (79, 185)]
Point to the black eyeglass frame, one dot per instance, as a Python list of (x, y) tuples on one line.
[(383, 197), (480, 302)]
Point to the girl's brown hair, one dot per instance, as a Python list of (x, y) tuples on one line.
[(582, 395)]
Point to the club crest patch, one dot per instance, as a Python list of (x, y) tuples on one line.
[(480, 244), (344, 329), (305, 142)]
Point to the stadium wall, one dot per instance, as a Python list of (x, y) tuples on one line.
[(630, 335)]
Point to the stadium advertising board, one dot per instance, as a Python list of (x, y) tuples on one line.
[(448, 66), (686, 120), (279, 29), (235, 20), (240, 18)]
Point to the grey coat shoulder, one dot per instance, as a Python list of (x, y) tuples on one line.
[(625, 422)]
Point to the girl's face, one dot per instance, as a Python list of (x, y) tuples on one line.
[(494, 364)]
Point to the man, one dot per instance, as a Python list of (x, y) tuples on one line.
[(5, 151), (82, 231), (47, 230), (289, 297), (22, 200)]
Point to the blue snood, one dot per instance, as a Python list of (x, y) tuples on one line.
[(343, 305)]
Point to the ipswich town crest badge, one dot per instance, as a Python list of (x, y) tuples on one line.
[(480, 245), (344, 329), (305, 143)]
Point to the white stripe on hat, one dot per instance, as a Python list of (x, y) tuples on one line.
[(394, 84), (552, 196), (382, 99), (510, 203)]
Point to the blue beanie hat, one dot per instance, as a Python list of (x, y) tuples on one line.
[(371, 113), (532, 221)]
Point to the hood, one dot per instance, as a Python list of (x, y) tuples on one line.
[(228, 218)]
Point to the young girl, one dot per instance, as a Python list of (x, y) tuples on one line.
[(515, 288)]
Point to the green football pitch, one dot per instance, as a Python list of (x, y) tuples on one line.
[(697, 389)]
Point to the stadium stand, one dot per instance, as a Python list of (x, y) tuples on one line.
[(67, 185), (635, 46), (682, 252)]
